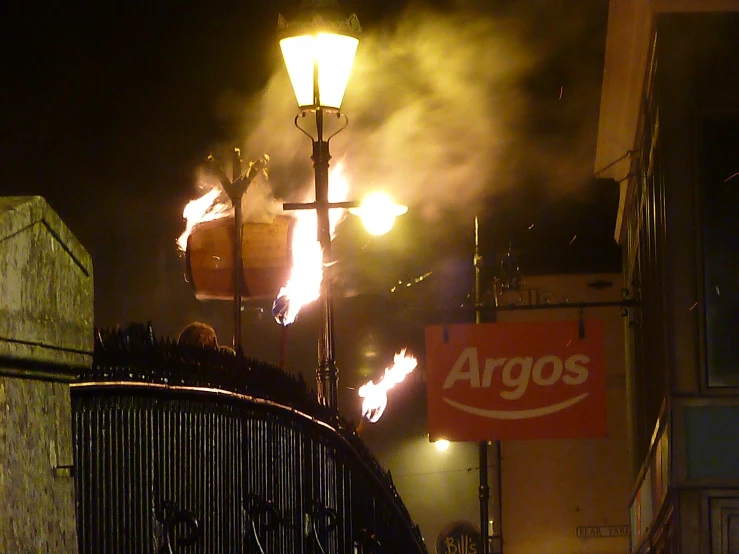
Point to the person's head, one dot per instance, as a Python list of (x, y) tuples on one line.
[(227, 349), (198, 334)]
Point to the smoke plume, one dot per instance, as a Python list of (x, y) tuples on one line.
[(442, 111)]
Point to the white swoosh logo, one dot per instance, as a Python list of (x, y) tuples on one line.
[(516, 414)]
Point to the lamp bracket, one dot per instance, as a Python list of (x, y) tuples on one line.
[(626, 303), (339, 115), (347, 205), (308, 134)]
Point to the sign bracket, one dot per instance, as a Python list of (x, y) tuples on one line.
[(626, 303)]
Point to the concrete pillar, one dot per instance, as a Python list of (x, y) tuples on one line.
[(46, 336)]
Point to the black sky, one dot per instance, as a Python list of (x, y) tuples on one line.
[(108, 108)]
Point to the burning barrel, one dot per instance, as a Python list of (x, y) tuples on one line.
[(265, 258)]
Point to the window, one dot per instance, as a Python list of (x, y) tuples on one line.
[(644, 272), (720, 223)]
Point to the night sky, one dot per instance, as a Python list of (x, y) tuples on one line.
[(109, 110)]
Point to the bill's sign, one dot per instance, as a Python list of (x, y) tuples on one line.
[(459, 537), (515, 380)]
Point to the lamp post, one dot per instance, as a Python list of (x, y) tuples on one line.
[(318, 47)]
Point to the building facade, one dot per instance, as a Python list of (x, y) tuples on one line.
[(558, 496), (571, 495), (669, 134)]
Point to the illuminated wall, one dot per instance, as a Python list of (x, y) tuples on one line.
[(559, 496), (565, 496)]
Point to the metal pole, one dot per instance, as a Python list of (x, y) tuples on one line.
[(499, 453), (483, 445), (484, 488), (327, 373), (484, 496), (236, 198)]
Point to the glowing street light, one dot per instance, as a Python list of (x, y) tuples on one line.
[(319, 64), (378, 213), (318, 46)]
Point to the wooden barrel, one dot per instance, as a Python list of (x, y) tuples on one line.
[(265, 255)]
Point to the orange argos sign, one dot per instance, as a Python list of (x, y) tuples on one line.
[(516, 380)]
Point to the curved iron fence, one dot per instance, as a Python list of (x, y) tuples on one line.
[(189, 450)]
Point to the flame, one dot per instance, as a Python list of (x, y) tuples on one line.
[(375, 395), (206, 208), (304, 284)]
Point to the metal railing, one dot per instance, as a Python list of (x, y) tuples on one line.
[(195, 450)]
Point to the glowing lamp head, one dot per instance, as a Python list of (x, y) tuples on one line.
[(442, 445), (378, 213), (318, 47)]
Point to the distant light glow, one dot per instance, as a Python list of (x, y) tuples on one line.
[(378, 213), (442, 445)]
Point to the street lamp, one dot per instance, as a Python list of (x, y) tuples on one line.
[(318, 46), (378, 213)]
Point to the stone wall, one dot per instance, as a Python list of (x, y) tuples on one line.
[(46, 334)]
